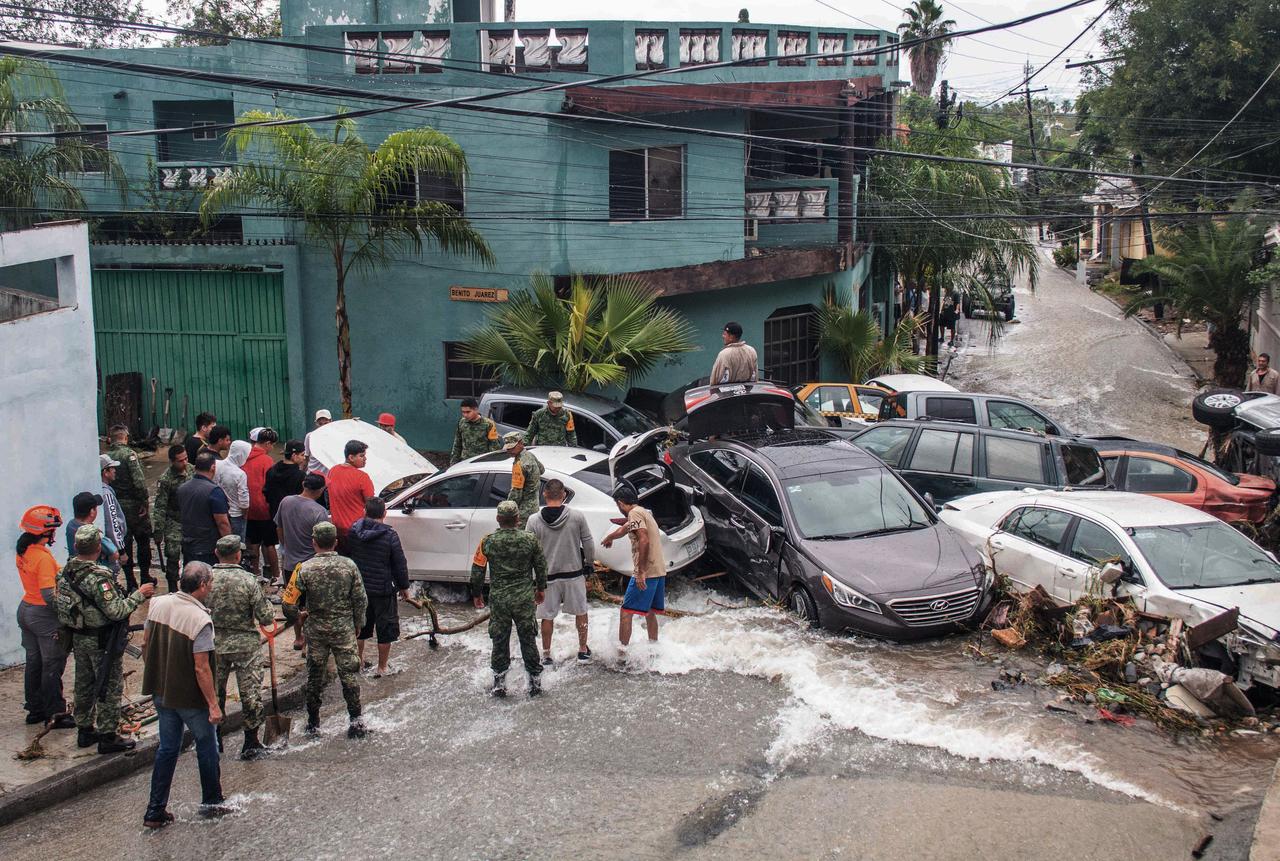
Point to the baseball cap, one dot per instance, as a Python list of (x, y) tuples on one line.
[(734, 329), (555, 397), (324, 531), (253, 434), (105, 462), (85, 500), (387, 419), (228, 544), (507, 508), (294, 446), (512, 439), (323, 414), (86, 537)]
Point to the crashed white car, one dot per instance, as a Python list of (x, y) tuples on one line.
[(1174, 561), (441, 519)]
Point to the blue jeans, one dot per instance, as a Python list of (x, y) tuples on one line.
[(239, 526), (171, 723)]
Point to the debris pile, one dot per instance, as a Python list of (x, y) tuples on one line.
[(1118, 663)]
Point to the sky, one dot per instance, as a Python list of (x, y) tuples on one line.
[(977, 66)]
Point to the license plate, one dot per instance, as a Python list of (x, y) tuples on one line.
[(694, 548)]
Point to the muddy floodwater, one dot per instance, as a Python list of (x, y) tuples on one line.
[(741, 734)]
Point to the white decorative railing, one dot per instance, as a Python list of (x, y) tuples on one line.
[(787, 204), (186, 176)]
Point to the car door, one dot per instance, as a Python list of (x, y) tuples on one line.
[(1158, 477), (1091, 546), (435, 526), (592, 434), (1016, 416), (1012, 464), (762, 513), (869, 400), (941, 464), (720, 475), (1027, 548)]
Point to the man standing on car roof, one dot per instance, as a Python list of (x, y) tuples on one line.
[(1263, 378), (526, 475), (552, 425), (475, 434), (737, 361)]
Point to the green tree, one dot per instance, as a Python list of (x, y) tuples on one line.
[(1187, 67), (350, 198), (853, 338), (1206, 275), (228, 17), (602, 333), (35, 173), (27, 25), (924, 21)]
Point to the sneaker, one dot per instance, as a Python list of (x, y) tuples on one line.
[(215, 810), (546, 660), (499, 685), (357, 729), (584, 656), (535, 686), (158, 820), (116, 744)]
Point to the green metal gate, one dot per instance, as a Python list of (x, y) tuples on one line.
[(216, 337)]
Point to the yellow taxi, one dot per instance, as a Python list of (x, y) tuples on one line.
[(843, 403)]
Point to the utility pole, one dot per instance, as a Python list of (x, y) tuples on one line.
[(1031, 131)]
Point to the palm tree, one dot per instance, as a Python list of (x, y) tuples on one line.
[(33, 174), (603, 333), (351, 199), (1206, 275), (853, 338), (924, 21)]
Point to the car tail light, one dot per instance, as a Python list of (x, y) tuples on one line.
[(666, 457)]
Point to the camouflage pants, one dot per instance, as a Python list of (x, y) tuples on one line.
[(137, 542), (248, 669), (172, 555), (320, 645), (88, 657), (502, 615)]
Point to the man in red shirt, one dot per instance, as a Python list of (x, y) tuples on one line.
[(260, 529), (349, 486)]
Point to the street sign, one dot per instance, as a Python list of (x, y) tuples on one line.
[(478, 294)]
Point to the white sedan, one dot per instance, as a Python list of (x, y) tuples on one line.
[(1174, 561)]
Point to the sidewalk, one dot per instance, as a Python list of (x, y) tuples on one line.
[(1266, 833), (64, 769)]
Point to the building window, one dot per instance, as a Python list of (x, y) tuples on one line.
[(791, 345), (415, 188), (94, 148), (462, 379), (197, 145), (646, 183)]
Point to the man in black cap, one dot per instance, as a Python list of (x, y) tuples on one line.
[(84, 507), (737, 361)]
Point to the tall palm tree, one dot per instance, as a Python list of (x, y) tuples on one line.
[(924, 21), (34, 173), (602, 333), (853, 338), (350, 198), (1206, 275)]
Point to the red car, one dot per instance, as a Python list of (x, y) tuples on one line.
[(1164, 471)]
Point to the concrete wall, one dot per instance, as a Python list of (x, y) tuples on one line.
[(46, 402)]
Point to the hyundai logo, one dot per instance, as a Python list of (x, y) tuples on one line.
[(940, 605)]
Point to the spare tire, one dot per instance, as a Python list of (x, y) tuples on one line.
[(1267, 442), (1216, 408)]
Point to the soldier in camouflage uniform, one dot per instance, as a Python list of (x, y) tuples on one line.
[(517, 581), (526, 476), (166, 518), (238, 607), (90, 602), (475, 434), (335, 607), (552, 425), (130, 486)]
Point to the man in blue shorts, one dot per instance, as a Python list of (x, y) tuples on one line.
[(647, 591)]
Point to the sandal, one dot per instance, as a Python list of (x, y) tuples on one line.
[(166, 819)]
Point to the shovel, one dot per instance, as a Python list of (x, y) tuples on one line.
[(154, 433), (166, 432), (181, 435), (277, 727)]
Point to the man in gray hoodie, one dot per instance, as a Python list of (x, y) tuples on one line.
[(567, 544)]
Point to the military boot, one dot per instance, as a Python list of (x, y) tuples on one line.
[(86, 738), (115, 744), (313, 721), (357, 729), (535, 686), (252, 748), (499, 685)]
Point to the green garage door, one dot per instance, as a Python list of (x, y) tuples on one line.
[(214, 337)]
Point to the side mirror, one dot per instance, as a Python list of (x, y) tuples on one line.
[(600, 447), (928, 497), (1111, 573)]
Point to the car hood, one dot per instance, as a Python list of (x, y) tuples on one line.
[(895, 565), (1259, 604), (390, 460)]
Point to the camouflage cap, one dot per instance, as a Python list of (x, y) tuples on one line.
[(555, 397), (229, 544), (512, 439), (87, 537), (324, 531), (507, 508)]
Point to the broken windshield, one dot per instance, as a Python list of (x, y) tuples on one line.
[(1204, 556)]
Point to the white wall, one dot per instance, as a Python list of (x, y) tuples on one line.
[(47, 403)]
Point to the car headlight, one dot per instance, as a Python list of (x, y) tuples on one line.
[(846, 597), (984, 573)]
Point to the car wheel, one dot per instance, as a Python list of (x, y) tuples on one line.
[(802, 606), (1267, 442), (1216, 408)]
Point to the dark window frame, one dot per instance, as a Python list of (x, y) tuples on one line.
[(793, 330), (457, 385), (631, 184)]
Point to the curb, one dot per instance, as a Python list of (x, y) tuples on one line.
[(101, 770), (1266, 832)]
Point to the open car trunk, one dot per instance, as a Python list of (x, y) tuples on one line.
[(640, 460)]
